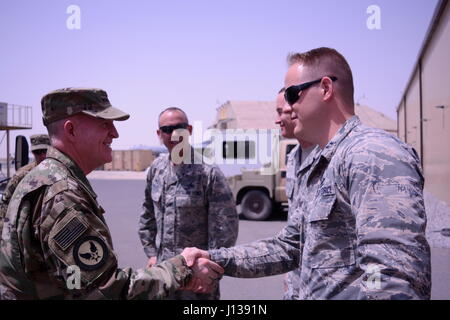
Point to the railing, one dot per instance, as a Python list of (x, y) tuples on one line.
[(15, 116)]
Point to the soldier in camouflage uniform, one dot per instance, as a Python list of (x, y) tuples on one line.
[(39, 145), (55, 242), (298, 156), (187, 203), (360, 229)]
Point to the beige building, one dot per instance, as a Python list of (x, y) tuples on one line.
[(130, 160), (261, 115), (424, 111), (254, 115)]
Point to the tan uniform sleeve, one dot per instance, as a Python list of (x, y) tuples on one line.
[(82, 260)]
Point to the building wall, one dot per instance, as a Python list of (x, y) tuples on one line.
[(436, 93), (430, 91), (412, 101), (130, 160), (401, 127)]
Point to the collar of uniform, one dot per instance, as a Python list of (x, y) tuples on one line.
[(315, 153), (74, 169), (196, 158), (331, 146), (185, 169), (294, 155)]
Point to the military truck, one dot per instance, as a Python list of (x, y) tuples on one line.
[(21, 158), (257, 194)]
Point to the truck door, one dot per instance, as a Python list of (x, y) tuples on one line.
[(280, 178)]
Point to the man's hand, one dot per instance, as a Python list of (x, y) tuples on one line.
[(151, 262), (192, 254), (206, 276), (206, 272)]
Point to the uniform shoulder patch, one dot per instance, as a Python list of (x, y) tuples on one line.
[(69, 233), (90, 253)]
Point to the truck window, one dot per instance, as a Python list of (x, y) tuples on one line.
[(238, 149)]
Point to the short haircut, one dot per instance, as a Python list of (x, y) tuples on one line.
[(55, 128), (173, 109), (327, 62), (282, 90)]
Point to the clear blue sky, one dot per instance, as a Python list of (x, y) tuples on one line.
[(197, 54)]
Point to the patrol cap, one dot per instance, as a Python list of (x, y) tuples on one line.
[(39, 141), (62, 103)]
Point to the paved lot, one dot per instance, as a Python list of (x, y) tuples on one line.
[(122, 201)]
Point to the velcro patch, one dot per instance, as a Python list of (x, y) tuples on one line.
[(90, 253), (69, 233)]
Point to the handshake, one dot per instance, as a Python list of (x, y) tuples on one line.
[(206, 273)]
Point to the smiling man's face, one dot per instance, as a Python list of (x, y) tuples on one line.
[(172, 118), (283, 118), (307, 113), (95, 136)]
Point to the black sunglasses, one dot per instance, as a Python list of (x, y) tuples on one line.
[(291, 94), (170, 129), (39, 151)]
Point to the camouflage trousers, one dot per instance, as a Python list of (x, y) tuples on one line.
[(291, 285)]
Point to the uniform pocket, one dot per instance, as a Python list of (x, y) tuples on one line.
[(189, 201), (322, 208), (192, 221), (327, 241)]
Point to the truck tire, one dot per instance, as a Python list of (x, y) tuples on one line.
[(256, 205)]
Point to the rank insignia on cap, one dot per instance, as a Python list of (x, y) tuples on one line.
[(90, 253)]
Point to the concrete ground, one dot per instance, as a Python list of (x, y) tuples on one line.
[(438, 212), (122, 198)]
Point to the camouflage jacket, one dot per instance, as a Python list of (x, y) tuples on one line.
[(10, 187), (292, 166), (295, 169), (360, 229), (191, 206), (56, 244)]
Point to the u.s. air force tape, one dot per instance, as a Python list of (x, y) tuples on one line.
[(90, 253)]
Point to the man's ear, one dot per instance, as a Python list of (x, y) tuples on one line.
[(327, 88), (189, 129), (69, 130)]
